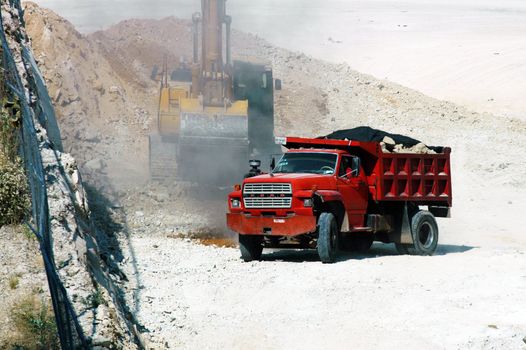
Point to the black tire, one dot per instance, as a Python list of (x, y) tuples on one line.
[(424, 231), (251, 247), (328, 233)]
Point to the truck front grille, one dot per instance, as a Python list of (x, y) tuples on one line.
[(267, 195), (269, 188), (253, 203)]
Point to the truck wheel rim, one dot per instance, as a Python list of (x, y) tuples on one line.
[(426, 236)]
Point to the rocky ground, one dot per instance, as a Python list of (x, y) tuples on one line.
[(21, 274), (194, 296), (208, 299)]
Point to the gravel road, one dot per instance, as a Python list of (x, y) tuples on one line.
[(470, 295), (206, 298)]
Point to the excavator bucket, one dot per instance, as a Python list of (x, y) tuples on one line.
[(213, 143), (212, 161)]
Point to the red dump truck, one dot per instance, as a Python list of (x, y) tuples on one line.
[(337, 195)]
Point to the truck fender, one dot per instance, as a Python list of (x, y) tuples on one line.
[(329, 195), (332, 201)]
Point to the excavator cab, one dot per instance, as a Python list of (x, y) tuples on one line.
[(255, 83)]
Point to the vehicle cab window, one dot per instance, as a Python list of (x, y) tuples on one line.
[(345, 167), (305, 162)]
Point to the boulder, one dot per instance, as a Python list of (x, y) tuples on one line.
[(96, 164), (92, 136), (388, 141)]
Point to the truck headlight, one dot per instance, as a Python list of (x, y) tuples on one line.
[(307, 202), (236, 203)]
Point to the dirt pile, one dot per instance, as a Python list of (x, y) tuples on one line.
[(100, 124)]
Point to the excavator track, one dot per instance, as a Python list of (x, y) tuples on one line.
[(163, 156)]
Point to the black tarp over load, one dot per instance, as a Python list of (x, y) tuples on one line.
[(368, 134)]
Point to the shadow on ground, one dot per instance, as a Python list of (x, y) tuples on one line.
[(111, 224), (378, 250)]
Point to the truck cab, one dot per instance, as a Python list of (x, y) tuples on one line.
[(328, 195)]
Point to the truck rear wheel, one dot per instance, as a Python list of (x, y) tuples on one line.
[(251, 247), (424, 231), (327, 245)]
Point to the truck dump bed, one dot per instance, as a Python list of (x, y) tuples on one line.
[(423, 178)]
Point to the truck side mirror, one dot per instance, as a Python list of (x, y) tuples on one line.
[(277, 84), (355, 165), (272, 163)]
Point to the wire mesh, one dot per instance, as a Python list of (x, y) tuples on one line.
[(36, 106)]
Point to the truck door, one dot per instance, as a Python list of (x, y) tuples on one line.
[(352, 185)]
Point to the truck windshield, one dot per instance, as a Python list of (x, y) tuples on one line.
[(315, 163)]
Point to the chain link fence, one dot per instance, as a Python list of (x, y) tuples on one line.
[(36, 106)]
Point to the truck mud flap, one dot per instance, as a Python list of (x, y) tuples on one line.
[(402, 234), (440, 212)]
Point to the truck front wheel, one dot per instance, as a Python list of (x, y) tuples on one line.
[(327, 238), (251, 247)]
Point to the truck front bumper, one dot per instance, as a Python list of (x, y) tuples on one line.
[(275, 226)]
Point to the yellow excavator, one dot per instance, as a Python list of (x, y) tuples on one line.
[(214, 114)]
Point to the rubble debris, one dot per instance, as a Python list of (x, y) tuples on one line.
[(389, 142)]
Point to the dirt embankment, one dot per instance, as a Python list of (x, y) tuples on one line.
[(107, 105), (104, 94), (70, 238), (100, 123)]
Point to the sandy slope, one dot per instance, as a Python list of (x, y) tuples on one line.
[(470, 52)]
